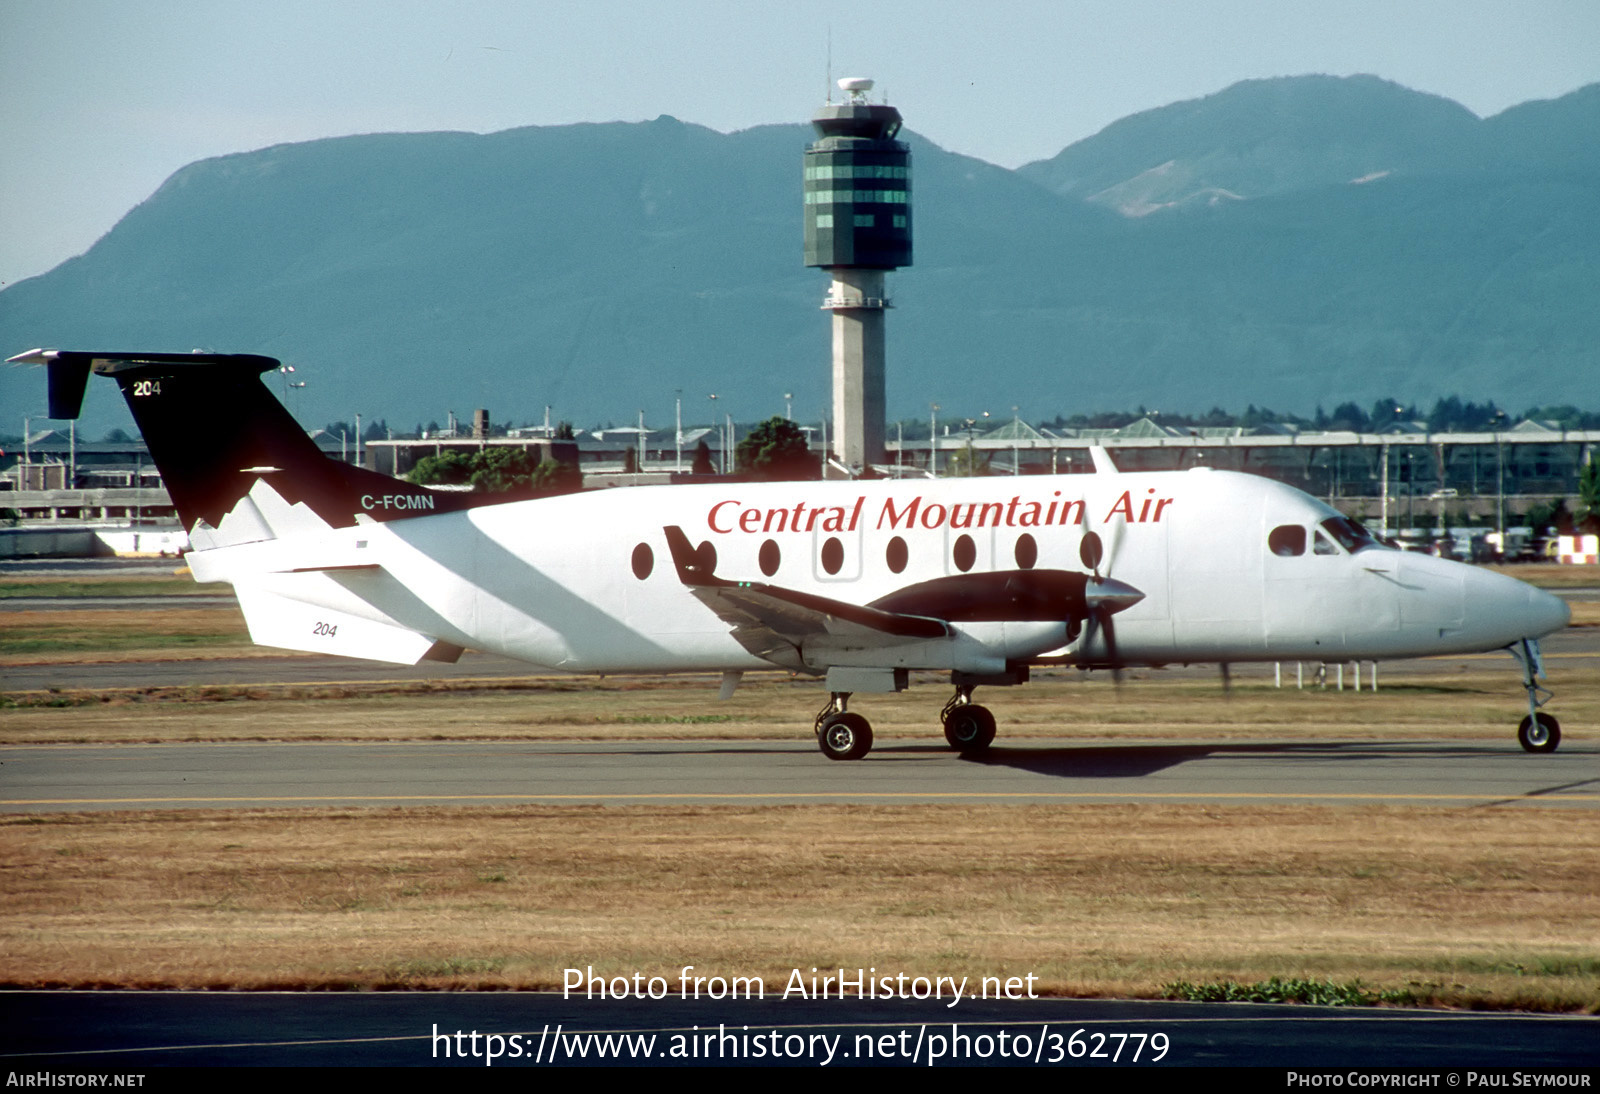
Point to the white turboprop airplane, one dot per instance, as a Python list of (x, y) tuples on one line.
[(857, 582)]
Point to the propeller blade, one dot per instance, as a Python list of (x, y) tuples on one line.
[(1091, 551), (1111, 645), (1103, 595)]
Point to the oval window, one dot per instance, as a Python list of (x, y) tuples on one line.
[(770, 557), (832, 555), (896, 555), (1027, 552), (705, 558), (644, 560), (1287, 540), (966, 553), (1090, 550)]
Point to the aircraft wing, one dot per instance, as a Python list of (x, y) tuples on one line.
[(773, 622)]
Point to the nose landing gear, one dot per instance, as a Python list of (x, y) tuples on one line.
[(1538, 732)]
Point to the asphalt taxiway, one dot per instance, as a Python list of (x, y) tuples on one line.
[(74, 778), (76, 1033)]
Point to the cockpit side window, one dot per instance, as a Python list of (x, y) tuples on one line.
[(1287, 540), (1324, 545), (1351, 536)]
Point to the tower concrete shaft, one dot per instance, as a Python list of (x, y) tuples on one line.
[(857, 302)]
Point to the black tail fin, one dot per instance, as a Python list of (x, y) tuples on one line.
[(214, 430)]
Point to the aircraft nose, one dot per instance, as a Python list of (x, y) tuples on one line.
[(1516, 609), (1546, 613)]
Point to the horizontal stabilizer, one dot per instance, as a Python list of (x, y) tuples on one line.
[(293, 625)]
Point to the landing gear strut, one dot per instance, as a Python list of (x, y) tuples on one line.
[(1538, 732), (840, 734), (968, 727)]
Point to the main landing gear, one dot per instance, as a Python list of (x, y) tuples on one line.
[(840, 734), (968, 727), (1538, 732)]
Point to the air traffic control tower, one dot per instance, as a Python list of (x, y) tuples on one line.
[(858, 225)]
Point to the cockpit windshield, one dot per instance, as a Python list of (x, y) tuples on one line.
[(1351, 536)]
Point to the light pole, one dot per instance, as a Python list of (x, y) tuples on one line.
[(1500, 481), (713, 399), (1016, 457), (1383, 506)]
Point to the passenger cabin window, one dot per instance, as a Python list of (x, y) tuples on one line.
[(1287, 540), (832, 555), (897, 554)]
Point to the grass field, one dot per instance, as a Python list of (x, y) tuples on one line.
[(1461, 907), (1467, 907)]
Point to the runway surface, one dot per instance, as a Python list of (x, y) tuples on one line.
[(70, 778)]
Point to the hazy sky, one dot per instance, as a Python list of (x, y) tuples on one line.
[(101, 100)]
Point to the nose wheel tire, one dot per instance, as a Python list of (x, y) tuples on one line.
[(844, 737), (1539, 733), (969, 729)]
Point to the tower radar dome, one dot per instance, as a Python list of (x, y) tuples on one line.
[(856, 87)]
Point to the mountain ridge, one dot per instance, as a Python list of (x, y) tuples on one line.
[(605, 267)]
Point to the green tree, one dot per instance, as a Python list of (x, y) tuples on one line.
[(557, 478), (447, 468), (501, 468), (776, 449), (702, 460), (495, 469), (1589, 490), (968, 462)]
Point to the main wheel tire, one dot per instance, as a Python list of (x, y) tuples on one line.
[(845, 737), (969, 729), (1539, 733)]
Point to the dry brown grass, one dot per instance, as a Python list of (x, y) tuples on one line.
[(1551, 575), (1585, 613), (1458, 906), (44, 636)]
